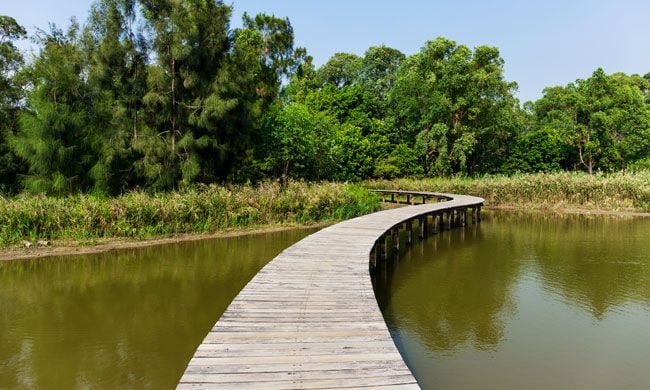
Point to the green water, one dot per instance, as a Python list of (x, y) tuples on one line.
[(126, 319), (525, 302)]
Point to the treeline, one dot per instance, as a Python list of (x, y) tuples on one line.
[(165, 95)]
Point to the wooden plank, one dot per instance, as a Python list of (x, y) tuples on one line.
[(309, 318)]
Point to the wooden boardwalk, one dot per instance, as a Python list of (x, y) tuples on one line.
[(309, 318)]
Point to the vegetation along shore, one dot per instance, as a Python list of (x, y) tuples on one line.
[(207, 209), (159, 118)]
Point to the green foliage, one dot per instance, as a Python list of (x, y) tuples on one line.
[(378, 71), (340, 71), (620, 191), (165, 95), (10, 95), (449, 85), (279, 59), (605, 119), (542, 150), (402, 161), (296, 143), (57, 133), (117, 77), (201, 210)]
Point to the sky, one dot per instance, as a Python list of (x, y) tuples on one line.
[(543, 43)]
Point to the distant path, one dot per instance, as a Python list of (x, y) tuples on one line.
[(309, 318)]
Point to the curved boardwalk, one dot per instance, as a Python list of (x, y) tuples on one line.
[(309, 318)]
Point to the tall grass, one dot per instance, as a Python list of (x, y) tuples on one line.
[(615, 192), (206, 209)]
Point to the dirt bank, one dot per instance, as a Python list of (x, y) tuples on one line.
[(66, 248)]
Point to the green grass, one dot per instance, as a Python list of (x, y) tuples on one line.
[(614, 192), (203, 210)]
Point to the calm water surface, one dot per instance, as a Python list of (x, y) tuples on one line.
[(525, 301), (127, 319)]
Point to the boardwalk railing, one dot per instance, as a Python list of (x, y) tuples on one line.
[(309, 318)]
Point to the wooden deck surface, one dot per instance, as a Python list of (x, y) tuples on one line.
[(309, 318)]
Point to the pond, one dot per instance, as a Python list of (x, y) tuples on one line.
[(125, 319), (525, 301), (519, 301)]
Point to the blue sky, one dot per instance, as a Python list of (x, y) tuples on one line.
[(543, 43)]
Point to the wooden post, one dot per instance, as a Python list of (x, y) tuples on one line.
[(434, 223), (408, 198), (396, 240), (449, 218), (373, 257), (382, 247), (409, 232), (463, 216), (473, 215), (392, 198), (424, 199), (478, 213), (423, 227)]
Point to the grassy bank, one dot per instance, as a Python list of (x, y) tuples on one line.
[(616, 192), (205, 210)]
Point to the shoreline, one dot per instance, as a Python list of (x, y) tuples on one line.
[(71, 248)]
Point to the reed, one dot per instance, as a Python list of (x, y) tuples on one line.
[(614, 192), (201, 210)]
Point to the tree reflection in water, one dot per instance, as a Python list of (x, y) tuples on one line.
[(522, 287)]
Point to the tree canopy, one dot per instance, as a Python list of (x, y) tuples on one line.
[(166, 94)]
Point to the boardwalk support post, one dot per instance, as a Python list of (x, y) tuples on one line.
[(409, 232), (423, 227), (396, 240)]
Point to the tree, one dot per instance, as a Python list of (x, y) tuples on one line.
[(11, 61), (378, 71), (462, 90), (117, 78), (541, 150), (431, 147), (279, 59), (297, 143), (56, 132), (604, 118), (402, 161), (341, 70), (193, 99)]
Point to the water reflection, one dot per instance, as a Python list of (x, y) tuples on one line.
[(127, 319), (522, 292), (460, 298)]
